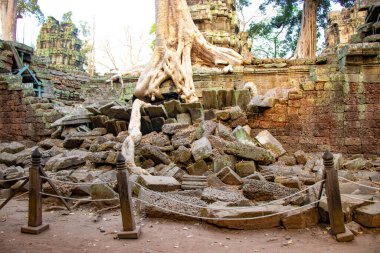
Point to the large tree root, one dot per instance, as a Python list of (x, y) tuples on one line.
[(134, 137), (179, 43)]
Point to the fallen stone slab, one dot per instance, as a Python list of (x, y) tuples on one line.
[(201, 149), (349, 205), (12, 147), (156, 206), (301, 157), (173, 107), (228, 176), (254, 212), (301, 218), (159, 183), (242, 136), (265, 191), (261, 155), (172, 128), (49, 143), (103, 191), (211, 195), (154, 153), (266, 139), (347, 236), (72, 142), (368, 216), (355, 228), (66, 161)]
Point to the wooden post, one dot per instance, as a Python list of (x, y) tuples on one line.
[(130, 230), (334, 202), (35, 225)]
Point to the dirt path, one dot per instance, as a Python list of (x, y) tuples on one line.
[(76, 232)]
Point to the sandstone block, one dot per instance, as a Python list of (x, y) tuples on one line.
[(159, 183), (228, 176), (201, 149), (266, 139), (245, 168), (368, 216), (154, 153), (198, 168)]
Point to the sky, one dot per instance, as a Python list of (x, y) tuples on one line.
[(121, 28)]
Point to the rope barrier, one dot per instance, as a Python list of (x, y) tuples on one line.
[(371, 187), (351, 197), (226, 208), (69, 198), (214, 218), (14, 179), (73, 183)]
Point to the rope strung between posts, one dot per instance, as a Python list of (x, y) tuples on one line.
[(226, 208), (13, 179), (69, 198), (351, 197), (371, 187), (214, 218), (73, 183)]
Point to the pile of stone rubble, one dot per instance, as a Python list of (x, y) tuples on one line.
[(200, 161)]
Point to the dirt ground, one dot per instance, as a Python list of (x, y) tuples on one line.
[(77, 232)]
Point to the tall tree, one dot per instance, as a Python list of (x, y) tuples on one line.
[(10, 10), (301, 31), (179, 44)]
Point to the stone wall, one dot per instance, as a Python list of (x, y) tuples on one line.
[(23, 117)]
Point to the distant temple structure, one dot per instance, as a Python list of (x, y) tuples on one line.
[(59, 43), (217, 20)]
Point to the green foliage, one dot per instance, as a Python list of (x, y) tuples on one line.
[(84, 28), (152, 32), (30, 8), (278, 35), (67, 17)]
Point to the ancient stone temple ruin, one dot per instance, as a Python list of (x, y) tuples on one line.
[(218, 22), (59, 43)]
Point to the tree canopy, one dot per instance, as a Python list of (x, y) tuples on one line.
[(279, 34)]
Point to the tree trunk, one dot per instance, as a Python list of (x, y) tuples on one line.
[(8, 19), (179, 43), (307, 41)]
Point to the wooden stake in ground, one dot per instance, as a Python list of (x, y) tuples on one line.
[(179, 44), (35, 225)]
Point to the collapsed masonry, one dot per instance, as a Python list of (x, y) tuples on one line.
[(206, 158)]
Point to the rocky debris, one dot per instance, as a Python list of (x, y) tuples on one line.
[(201, 149), (290, 182), (355, 164), (301, 157), (269, 142), (154, 153), (184, 118), (265, 191), (228, 176), (198, 168), (355, 228), (103, 191), (184, 137), (182, 154), (11, 148), (243, 137), (245, 168), (368, 216), (173, 128), (70, 160), (190, 182), (221, 161), (49, 143), (8, 159), (159, 183), (287, 160), (155, 139), (258, 154)]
